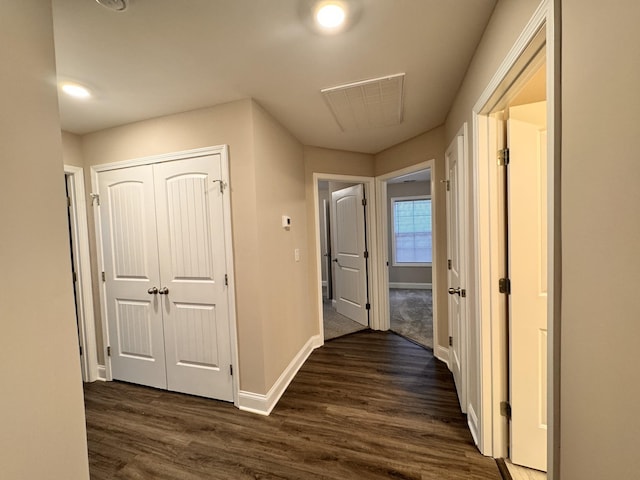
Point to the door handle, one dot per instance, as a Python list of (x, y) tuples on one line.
[(152, 291), (163, 291), (454, 291)]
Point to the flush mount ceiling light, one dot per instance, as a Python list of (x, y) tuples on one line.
[(75, 90), (330, 16), (115, 5)]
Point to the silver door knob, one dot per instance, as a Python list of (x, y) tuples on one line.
[(163, 291), (152, 291), (454, 291)]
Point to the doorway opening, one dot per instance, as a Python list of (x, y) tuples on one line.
[(514, 181), (344, 266), (81, 268), (346, 253), (410, 256)]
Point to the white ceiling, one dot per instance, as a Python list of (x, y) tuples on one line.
[(167, 56)]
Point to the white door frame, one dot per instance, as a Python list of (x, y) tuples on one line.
[(82, 267), (493, 439), (440, 351), (223, 151), (372, 245)]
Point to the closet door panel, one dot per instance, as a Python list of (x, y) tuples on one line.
[(130, 250), (192, 267)]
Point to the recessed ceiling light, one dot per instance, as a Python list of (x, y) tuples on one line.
[(330, 15), (75, 90)]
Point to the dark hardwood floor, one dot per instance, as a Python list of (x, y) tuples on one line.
[(370, 405)]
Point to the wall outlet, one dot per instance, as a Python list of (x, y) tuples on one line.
[(296, 254)]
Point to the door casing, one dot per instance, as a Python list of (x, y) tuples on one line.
[(492, 371), (374, 255), (82, 259), (222, 150)]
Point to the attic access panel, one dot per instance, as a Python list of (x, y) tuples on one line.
[(367, 104)]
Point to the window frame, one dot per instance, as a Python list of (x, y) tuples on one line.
[(394, 262)]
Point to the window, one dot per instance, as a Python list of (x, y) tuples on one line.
[(412, 239)]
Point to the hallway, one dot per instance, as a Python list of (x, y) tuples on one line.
[(369, 405)]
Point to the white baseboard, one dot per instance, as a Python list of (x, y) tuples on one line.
[(472, 420), (442, 353), (102, 373), (264, 404), (420, 286)]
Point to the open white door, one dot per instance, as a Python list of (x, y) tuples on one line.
[(456, 278), (527, 140), (349, 256), (131, 273)]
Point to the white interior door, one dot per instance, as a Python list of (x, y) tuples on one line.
[(130, 249), (192, 268), (526, 130), (349, 255), (456, 265), (163, 236)]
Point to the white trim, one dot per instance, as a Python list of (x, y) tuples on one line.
[(416, 286), (492, 373), (223, 151), (102, 373), (82, 260), (264, 404), (372, 245), (383, 242), (442, 354), (472, 421), (164, 157)]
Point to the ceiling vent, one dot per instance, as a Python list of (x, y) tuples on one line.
[(368, 104)]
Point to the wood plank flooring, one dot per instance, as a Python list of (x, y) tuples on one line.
[(370, 405)]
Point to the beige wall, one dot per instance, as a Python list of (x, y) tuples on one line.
[(428, 146), (42, 429), (600, 321), (230, 124), (72, 149), (324, 160), (282, 282), (399, 273), (507, 22)]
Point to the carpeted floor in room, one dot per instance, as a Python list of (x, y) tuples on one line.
[(412, 314), (336, 325)]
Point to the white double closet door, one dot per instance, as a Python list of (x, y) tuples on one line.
[(162, 230)]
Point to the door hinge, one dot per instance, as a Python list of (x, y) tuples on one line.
[(68, 202), (80, 349), (504, 286), (503, 157), (75, 277), (367, 306), (223, 185), (366, 254), (108, 351), (104, 277), (451, 341), (95, 197), (364, 202), (449, 264), (226, 280), (231, 370), (505, 410)]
